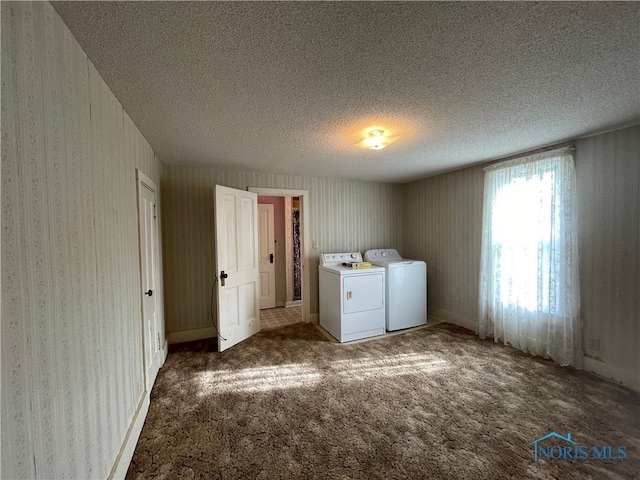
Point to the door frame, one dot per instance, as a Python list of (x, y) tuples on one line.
[(306, 239)]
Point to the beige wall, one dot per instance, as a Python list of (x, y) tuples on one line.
[(442, 225), (278, 213), (72, 373), (608, 171), (345, 215)]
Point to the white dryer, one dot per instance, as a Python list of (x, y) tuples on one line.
[(406, 291), (351, 299)]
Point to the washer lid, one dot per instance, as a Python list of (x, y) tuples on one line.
[(403, 262), (382, 254)]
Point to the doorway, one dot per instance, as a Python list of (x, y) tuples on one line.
[(294, 248), (280, 251)]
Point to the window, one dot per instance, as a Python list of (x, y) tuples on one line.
[(529, 286)]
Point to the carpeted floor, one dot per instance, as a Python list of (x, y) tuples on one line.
[(433, 403)]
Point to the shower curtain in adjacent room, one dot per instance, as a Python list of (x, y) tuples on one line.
[(297, 257)]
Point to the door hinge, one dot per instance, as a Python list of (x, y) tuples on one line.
[(154, 211)]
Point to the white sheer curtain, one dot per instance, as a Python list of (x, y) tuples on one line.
[(529, 287)]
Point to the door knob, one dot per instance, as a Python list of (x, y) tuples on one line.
[(150, 292), (222, 277)]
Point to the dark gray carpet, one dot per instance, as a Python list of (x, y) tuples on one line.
[(433, 403)]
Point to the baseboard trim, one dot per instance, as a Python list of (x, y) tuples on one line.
[(295, 303), (182, 336), (446, 316), (123, 460), (617, 374)]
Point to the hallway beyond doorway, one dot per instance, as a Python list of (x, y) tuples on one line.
[(279, 317)]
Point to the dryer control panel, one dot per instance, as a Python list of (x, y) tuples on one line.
[(340, 258), (382, 254)]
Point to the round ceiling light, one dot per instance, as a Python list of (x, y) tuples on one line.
[(376, 139)]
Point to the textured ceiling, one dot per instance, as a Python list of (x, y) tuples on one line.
[(287, 87)]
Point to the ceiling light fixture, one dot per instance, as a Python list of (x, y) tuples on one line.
[(376, 140)]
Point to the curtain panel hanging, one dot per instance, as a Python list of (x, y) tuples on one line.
[(529, 294)]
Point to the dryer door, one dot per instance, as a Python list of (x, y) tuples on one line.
[(361, 293)]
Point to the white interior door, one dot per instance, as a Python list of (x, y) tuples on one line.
[(266, 256), (236, 222), (148, 238)]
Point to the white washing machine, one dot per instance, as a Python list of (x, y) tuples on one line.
[(406, 291), (351, 299)]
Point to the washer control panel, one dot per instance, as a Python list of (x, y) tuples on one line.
[(339, 258), (382, 254)]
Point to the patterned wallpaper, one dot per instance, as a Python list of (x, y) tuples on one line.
[(443, 227), (608, 172), (72, 372)]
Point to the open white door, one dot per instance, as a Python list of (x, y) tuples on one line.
[(153, 336), (236, 222), (266, 255)]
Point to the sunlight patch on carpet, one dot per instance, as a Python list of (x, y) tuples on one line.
[(400, 364), (259, 379)]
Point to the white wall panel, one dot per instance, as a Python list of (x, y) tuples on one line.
[(71, 328), (345, 215)]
